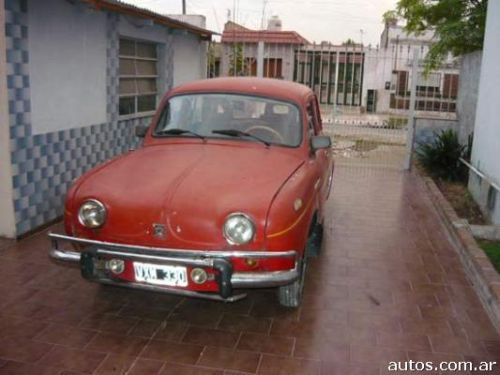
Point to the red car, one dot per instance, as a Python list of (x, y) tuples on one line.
[(227, 192)]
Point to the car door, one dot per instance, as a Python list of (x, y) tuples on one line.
[(322, 158)]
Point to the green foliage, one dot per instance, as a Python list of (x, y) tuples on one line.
[(236, 62), (349, 42), (211, 60), (492, 250), (396, 122), (441, 157), (458, 25), (390, 15)]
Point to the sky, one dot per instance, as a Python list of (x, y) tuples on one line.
[(317, 20)]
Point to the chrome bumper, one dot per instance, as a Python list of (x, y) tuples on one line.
[(212, 259)]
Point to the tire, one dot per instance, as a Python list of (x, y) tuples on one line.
[(313, 245), (291, 295)]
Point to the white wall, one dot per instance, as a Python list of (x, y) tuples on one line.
[(7, 220), (193, 19), (377, 70), (486, 150), (67, 48), (138, 28), (486, 147), (468, 89), (190, 58)]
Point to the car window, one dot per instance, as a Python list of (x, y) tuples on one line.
[(318, 116), (311, 119), (274, 121)]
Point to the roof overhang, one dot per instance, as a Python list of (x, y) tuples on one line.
[(131, 10)]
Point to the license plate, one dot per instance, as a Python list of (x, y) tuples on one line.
[(160, 274)]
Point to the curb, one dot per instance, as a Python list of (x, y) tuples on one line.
[(485, 279)]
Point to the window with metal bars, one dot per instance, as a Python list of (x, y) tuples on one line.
[(138, 76)]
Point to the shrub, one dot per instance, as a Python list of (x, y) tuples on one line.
[(396, 122), (441, 157)]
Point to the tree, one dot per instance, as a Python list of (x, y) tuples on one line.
[(212, 70), (349, 42), (390, 16), (236, 60), (458, 25)]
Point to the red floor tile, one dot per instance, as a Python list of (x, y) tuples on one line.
[(22, 368), (65, 335), (237, 323), (117, 344), (23, 350), (212, 337), (274, 365), (177, 369), (388, 286), (172, 352), (73, 359), (228, 359), (258, 342)]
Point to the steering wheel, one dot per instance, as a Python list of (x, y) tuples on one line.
[(267, 128)]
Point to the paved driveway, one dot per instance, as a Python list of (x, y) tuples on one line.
[(388, 287)]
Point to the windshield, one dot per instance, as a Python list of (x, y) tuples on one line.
[(231, 116)]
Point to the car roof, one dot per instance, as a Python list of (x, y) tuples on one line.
[(275, 88)]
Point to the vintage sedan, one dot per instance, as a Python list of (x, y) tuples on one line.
[(227, 192)]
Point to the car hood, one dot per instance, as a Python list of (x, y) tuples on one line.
[(189, 189)]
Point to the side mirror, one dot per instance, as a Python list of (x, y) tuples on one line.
[(319, 142), (141, 131)]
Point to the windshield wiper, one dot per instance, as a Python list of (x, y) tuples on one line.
[(177, 131), (239, 133)]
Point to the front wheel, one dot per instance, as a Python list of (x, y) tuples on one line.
[(291, 295), (315, 240)]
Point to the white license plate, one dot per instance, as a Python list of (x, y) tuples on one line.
[(160, 274)]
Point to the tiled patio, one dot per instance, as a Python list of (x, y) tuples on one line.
[(387, 287)]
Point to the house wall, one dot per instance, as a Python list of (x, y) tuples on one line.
[(468, 87), (7, 221), (190, 58), (141, 29), (286, 52), (46, 158), (377, 70), (67, 66), (486, 145)]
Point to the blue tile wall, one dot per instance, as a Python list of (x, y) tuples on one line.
[(44, 165), (112, 67)]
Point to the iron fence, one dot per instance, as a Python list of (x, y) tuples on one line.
[(365, 93)]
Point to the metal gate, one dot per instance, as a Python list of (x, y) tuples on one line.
[(369, 97), (377, 141)]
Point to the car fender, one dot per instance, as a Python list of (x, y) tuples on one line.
[(292, 210)]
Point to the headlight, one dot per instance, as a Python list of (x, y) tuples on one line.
[(92, 214), (238, 229)]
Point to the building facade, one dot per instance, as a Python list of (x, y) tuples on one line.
[(332, 71), (239, 50), (76, 78), (348, 75), (387, 75), (484, 180)]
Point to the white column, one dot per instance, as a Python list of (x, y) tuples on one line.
[(7, 219), (260, 59), (336, 85), (411, 113)]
